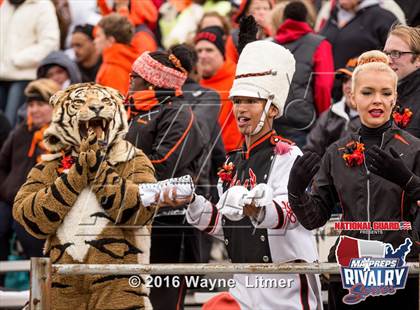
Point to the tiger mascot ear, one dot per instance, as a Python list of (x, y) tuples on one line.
[(116, 95), (56, 98)]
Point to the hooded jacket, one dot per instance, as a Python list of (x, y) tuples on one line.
[(116, 66), (28, 33), (61, 59)]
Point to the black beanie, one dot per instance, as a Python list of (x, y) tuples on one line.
[(213, 34)]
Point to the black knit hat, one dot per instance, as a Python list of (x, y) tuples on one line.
[(213, 34)]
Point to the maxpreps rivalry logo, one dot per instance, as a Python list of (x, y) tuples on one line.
[(371, 268)]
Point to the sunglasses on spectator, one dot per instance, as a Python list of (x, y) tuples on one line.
[(397, 54)]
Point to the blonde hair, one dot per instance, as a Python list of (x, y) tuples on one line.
[(372, 61), (410, 35)]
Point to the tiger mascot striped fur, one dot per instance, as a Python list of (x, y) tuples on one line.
[(84, 199)]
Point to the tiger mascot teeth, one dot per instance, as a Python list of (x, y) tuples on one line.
[(84, 199)]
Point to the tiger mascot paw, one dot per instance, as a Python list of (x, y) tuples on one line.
[(91, 154)]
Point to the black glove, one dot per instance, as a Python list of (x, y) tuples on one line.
[(248, 29), (302, 172), (389, 166)]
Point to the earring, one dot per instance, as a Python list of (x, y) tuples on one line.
[(151, 87)]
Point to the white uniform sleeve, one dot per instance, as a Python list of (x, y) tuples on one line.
[(203, 215), (278, 214)]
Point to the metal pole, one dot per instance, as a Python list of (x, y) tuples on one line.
[(40, 298), (167, 269)]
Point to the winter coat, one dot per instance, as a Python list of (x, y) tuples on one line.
[(28, 33), (169, 135)]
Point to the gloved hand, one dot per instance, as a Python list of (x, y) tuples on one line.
[(231, 203), (149, 193), (184, 187), (256, 200), (261, 195), (302, 172), (388, 165), (169, 190)]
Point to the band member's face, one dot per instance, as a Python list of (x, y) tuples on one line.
[(374, 97), (248, 112)]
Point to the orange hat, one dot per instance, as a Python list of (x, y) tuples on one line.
[(347, 71), (223, 301)]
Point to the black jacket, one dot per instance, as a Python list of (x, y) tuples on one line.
[(367, 31), (89, 74), (409, 97), (169, 135), (4, 128), (205, 104), (331, 125), (15, 163), (363, 196)]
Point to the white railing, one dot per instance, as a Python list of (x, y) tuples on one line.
[(41, 270)]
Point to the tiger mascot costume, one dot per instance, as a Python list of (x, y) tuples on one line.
[(84, 199)]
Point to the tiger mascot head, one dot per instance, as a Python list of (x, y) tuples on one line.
[(86, 106)]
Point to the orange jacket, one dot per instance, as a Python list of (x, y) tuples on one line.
[(231, 52), (116, 66), (141, 11), (144, 41), (222, 82)]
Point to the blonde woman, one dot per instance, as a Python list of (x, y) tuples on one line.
[(370, 174)]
